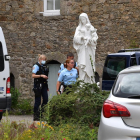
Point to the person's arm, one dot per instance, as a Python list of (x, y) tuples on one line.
[(77, 70), (57, 87), (39, 76), (77, 73), (60, 79), (34, 71), (61, 68)]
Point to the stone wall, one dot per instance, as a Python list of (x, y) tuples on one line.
[(28, 33)]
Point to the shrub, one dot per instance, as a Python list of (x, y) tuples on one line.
[(14, 95), (20, 106), (83, 104), (24, 107)]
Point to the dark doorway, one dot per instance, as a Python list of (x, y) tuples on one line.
[(53, 62), (12, 80), (97, 77)]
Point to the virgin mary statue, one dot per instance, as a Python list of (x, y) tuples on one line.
[(85, 41)]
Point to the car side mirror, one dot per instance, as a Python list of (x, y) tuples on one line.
[(7, 57)]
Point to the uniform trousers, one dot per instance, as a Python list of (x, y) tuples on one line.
[(66, 90), (44, 95)]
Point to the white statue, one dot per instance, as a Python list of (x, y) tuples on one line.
[(85, 41)]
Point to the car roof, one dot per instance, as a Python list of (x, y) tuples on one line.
[(124, 53), (133, 69)]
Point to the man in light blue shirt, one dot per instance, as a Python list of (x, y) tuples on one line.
[(71, 57)]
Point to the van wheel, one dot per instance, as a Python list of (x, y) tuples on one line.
[(0, 116)]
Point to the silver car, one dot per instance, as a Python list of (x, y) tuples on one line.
[(120, 116)]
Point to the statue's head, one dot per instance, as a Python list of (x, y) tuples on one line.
[(83, 19)]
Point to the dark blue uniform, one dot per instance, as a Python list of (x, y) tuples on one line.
[(40, 88)]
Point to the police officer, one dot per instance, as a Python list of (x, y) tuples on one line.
[(40, 75), (68, 76), (62, 66)]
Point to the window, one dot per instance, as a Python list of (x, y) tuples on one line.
[(51, 7), (113, 66), (1, 58), (127, 85), (133, 61)]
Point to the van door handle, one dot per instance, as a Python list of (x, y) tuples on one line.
[(3, 78)]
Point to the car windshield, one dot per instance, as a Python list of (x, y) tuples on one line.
[(127, 85), (1, 58)]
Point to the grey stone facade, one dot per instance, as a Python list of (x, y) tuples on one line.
[(28, 33)]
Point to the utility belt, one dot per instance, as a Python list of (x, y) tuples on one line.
[(66, 90), (65, 86), (41, 85), (39, 82), (38, 88)]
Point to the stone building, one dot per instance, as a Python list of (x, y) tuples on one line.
[(32, 27)]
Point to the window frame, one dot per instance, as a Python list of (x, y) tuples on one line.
[(2, 67), (50, 12)]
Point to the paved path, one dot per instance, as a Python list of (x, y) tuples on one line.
[(19, 118)]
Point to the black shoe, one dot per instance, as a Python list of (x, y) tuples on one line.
[(36, 116)]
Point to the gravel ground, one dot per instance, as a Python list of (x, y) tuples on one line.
[(19, 118)]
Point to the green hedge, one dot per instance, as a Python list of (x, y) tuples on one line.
[(83, 104), (20, 106)]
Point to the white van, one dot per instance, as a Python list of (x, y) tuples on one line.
[(5, 95)]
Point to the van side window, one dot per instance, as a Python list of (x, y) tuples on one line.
[(133, 61), (1, 58)]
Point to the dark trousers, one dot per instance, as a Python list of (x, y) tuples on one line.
[(66, 90), (44, 95)]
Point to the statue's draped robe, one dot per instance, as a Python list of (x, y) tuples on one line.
[(84, 61)]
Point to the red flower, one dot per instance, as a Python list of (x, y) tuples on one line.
[(64, 139), (42, 138), (32, 126)]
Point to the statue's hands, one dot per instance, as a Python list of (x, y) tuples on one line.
[(82, 38), (79, 40), (91, 41)]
